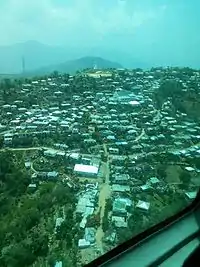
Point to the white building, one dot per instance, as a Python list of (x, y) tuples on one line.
[(86, 170)]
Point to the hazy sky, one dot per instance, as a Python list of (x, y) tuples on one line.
[(169, 27)]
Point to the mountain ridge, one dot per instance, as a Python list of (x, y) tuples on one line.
[(38, 55), (72, 66)]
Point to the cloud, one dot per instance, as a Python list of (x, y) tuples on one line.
[(60, 21)]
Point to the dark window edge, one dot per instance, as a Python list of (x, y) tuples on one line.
[(116, 252)]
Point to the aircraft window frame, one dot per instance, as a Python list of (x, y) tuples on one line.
[(114, 254)]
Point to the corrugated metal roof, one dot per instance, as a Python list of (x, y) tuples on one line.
[(86, 168)]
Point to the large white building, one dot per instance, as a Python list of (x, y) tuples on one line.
[(86, 170)]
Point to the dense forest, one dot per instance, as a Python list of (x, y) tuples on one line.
[(27, 219)]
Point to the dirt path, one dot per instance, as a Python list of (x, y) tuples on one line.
[(103, 195), (105, 150), (140, 136), (20, 148), (32, 168), (45, 148)]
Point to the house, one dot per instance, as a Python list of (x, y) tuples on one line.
[(85, 161), (90, 233), (154, 180), (189, 169), (52, 175), (95, 162), (27, 165), (34, 176), (110, 237), (32, 187), (83, 222), (86, 170), (75, 157), (85, 205), (121, 206), (50, 153), (145, 187), (119, 222), (8, 138), (82, 243), (191, 195), (121, 178), (123, 96), (120, 188), (59, 221), (143, 205)]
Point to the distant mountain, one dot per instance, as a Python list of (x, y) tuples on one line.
[(72, 66), (37, 56)]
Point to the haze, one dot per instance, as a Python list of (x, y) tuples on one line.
[(157, 32)]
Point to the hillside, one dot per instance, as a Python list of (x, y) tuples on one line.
[(186, 101), (79, 64)]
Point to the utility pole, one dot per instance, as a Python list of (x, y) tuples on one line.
[(23, 65)]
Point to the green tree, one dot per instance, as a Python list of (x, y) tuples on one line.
[(63, 195), (66, 231), (168, 88), (185, 178), (35, 142), (17, 255)]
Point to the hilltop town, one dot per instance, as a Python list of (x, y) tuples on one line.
[(105, 155)]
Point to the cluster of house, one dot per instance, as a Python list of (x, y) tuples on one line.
[(120, 113)]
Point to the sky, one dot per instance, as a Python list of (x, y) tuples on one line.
[(150, 28)]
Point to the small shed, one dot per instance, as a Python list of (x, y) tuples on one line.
[(143, 205), (82, 243)]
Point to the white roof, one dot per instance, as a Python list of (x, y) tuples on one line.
[(83, 243), (134, 102), (32, 185), (145, 187), (86, 168), (120, 188), (59, 221), (154, 180), (119, 221), (88, 211), (191, 195), (83, 222), (74, 155), (143, 205), (189, 169)]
